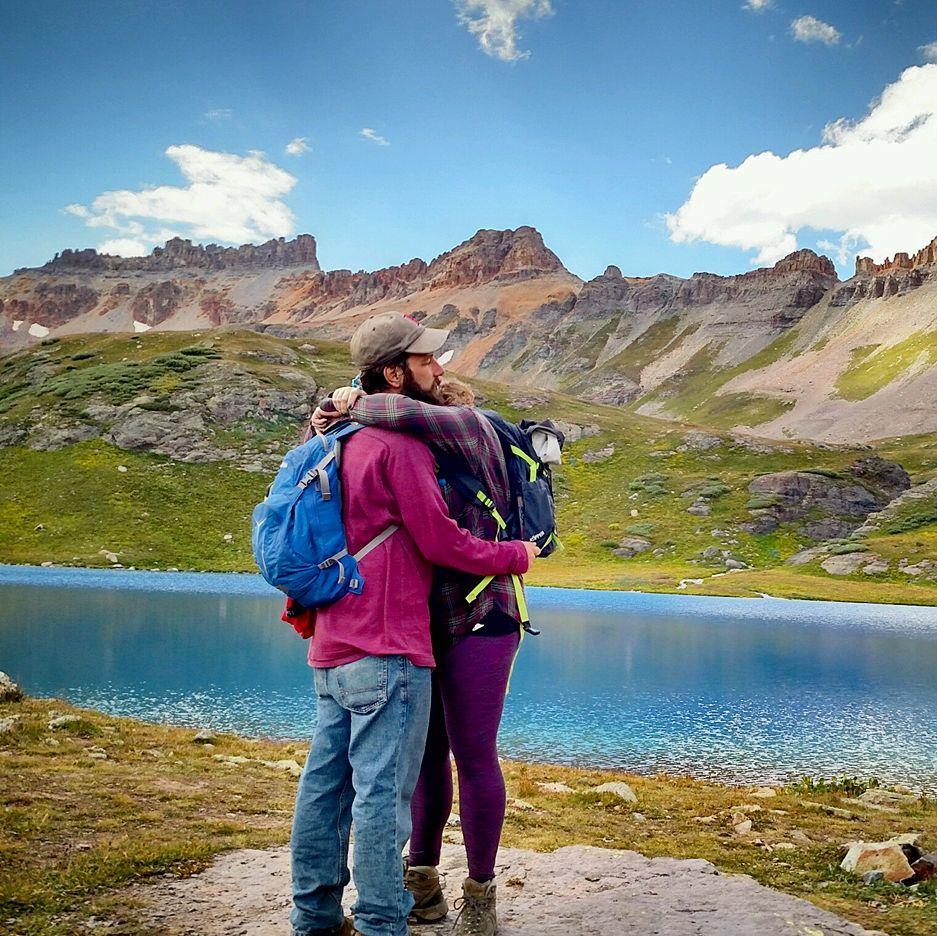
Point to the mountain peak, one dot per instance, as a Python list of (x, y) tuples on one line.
[(805, 259), (494, 255)]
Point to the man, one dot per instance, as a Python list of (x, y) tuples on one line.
[(372, 656), (476, 633)]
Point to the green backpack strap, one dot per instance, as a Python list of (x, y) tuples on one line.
[(532, 466)]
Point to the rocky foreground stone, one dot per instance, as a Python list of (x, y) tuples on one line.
[(574, 890)]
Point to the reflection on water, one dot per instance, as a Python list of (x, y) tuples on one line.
[(725, 688)]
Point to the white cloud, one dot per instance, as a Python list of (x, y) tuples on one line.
[(873, 181), (374, 136), (228, 198), (494, 23), (298, 146), (219, 113), (124, 247), (757, 5), (929, 52), (810, 29)]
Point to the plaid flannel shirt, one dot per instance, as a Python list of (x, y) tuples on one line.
[(463, 433)]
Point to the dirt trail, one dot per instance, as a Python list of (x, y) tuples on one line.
[(578, 889)]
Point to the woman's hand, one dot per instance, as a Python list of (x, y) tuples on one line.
[(532, 550), (344, 398)]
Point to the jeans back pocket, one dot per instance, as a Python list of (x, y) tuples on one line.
[(362, 685)]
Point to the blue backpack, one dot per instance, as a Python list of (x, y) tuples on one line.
[(298, 536)]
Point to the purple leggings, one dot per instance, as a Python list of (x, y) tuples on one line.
[(469, 686)]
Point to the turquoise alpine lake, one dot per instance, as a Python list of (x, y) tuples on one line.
[(731, 689)]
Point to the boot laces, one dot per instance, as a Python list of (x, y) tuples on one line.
[(474, 913)]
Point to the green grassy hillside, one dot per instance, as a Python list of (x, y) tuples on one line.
[(92, 503)]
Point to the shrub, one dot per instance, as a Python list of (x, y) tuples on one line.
[(711, 490), (762, 501), (852, 786)]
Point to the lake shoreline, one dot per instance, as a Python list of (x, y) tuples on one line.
[(564, 588)]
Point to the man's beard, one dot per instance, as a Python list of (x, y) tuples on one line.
[(412, 389)]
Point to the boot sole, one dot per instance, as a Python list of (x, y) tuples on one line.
[(431, 914)]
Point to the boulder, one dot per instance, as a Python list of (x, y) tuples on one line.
[(45, 438), (630, 546), (555, 787), (574, 432), (64, 722), (233, 760), (8, 725), (205, 736), (844, 565), (697, 441), (290, 766), (879, 797), (925, 868), (599, 454), (887, 857), (808, 555), (619, 788), (9, 690), (876, 567)]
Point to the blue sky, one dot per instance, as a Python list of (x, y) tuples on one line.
[(592, 120)]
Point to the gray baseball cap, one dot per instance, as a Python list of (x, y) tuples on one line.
[(382, 337)]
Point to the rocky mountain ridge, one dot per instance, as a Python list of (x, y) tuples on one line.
[(745, 352), (180, 254)]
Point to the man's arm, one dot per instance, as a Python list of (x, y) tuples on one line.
[(412, 482), (456, 430)]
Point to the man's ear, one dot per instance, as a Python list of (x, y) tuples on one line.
[(393, 376)]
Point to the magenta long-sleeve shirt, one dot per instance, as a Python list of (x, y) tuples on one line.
[(389, 478)]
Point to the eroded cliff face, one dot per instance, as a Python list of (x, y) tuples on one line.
[(895, 277), (179, 254)]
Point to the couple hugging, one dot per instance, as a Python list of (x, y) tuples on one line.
[(394, 694)]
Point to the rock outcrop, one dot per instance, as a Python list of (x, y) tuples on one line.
[(901, 261), (180, 254), (573, 890), (826, 505), (897, 276)]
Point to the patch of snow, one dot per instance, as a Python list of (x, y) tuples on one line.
[(37, 330), (141, 326), (16, 324)]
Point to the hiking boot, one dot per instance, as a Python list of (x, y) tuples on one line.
[(477, 912), (429, 904)]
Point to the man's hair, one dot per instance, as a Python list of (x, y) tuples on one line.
[(372, 378)]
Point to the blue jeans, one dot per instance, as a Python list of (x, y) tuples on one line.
[(363, 765)]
